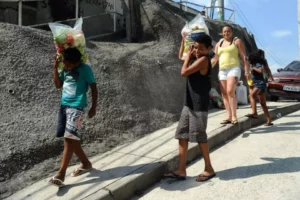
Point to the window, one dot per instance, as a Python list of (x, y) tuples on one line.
[(293, 66)]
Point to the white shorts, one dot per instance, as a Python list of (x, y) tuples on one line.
[(225, 73)]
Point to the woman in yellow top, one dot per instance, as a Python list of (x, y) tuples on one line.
[(227, 52)]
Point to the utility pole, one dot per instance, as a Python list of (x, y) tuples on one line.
[(131, 20), (212, 8), (299, 28), (221, 10)]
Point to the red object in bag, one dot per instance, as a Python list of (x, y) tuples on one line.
[(59, 48), (70, 40)]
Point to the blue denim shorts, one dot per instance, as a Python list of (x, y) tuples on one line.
[(70, 122), (261, 85)]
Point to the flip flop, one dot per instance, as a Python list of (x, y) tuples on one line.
[(175, 176), (56, 179), (225, 121), (268, 124), (251, 116), (234, 122), (206, 177), (79, 171)]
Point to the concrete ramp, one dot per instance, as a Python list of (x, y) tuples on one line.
[(128, 169)]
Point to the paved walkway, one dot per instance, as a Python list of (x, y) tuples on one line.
[(261, 164), (131, 167)]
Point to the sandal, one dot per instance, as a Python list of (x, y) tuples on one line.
[(268, 124), (206, 178), (61, 183), (174, 176), (226, 121), (234, 122), (252, 116), (80, 171)]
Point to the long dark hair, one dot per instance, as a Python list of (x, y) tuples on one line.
[(256, 57), (227, 25)]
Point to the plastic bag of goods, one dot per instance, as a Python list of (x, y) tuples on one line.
[(241, 94), (66, 37), (216, 98), (191, 31)]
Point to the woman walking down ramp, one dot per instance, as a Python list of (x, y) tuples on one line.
[(227, 52), (193, 120)]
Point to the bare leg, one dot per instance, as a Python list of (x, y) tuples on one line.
[(86, 164), (230, 89), (208, 169), (183, 147), (253, 101), (250, 92), (223, 86), (67, 155), (262, 100)]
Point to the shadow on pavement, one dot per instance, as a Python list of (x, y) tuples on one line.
[(99, 176), (174, 185), (293, 116), (287, 126), (276, 166)]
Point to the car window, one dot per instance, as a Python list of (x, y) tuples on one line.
[(293, 66)]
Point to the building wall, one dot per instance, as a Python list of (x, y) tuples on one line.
[(58, 10), (104, 23), (9, 13)]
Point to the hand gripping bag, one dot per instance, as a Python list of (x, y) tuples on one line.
[(192, 30), (65, 37)]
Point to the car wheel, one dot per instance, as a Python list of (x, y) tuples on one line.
[(274, 98)]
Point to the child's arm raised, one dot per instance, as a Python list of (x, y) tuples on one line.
[(58, 83), (181, 49), (200, 63)]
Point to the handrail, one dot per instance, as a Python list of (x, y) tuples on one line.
[(20, 8), (182, 2), (69, 20), (207, 8)]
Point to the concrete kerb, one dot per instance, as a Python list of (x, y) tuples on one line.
[(128, 186), (153, 172)]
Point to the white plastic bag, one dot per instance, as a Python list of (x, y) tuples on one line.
[(241, 94), (216, 98), (66, 37), (196, 23), (193, 28)]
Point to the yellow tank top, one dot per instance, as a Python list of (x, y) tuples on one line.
[(228, 57)]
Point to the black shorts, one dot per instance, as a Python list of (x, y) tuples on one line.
[(69, 122)]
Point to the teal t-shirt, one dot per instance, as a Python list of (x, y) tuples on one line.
[(75, 85)]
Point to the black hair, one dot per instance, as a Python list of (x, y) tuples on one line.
[(255, 57), (261, 52), (204, 39), (72, 55), (227, 25)]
